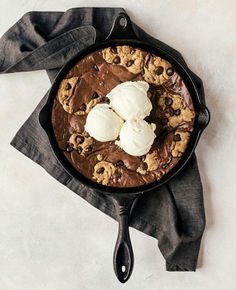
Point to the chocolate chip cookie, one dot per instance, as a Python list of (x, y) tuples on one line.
[(126, 56), (157, 70)]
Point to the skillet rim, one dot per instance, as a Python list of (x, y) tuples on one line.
[(202, 115)]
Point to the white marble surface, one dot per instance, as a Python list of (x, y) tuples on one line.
[(45, 229)]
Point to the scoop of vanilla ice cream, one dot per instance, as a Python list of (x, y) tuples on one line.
[(103, 123), (130, 100), (136, 137)]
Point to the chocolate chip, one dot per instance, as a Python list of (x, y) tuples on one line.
[(159, 70), (177, 137), (119, 163), (129, 63), (105, 99), (177, 112), (86, 134), (100, 170), (164, 121), (132, 51), (114, 49), (95, 95), (68, 86), (170, 111), (144, 166), (170, 71), (96, 67), (79, 139), (168, 101), (146, 60), (116, 60), (69, 148), (82, 107)]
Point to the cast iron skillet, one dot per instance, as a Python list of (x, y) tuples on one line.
[(122, 33)]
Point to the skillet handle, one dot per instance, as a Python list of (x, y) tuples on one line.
[(123, 259), (122, 28), (203, 117)]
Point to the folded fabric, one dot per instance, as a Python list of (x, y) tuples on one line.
[(174, 213)]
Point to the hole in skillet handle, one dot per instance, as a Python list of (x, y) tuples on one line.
[(123, 22), (122, 28)]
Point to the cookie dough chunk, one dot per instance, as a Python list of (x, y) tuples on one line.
[(92, 104), (65, 93), (185, 115), (175, 110), (99, 157), (171, 100), (157, 70), (103, 171), (81, 142), (180, 142), (132, 59), (150, 163)]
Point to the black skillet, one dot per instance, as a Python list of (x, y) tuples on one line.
[(122, 33)]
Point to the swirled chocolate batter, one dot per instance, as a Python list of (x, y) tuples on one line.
[(88, 84)]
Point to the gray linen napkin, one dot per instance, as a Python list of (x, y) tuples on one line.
[(173, 214)]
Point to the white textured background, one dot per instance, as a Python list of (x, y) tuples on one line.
[(45, 229)]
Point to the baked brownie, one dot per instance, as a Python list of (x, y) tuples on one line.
[(88, 83)]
